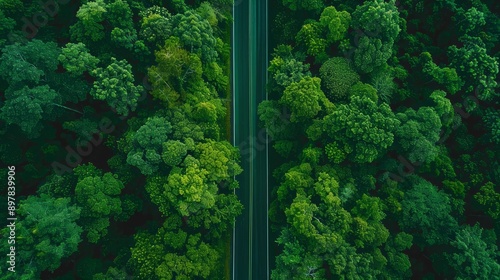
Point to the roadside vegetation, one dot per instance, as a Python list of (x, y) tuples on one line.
[(384, 117), (114, 113), (388, 154)]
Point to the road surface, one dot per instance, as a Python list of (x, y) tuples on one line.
[(249, 67)]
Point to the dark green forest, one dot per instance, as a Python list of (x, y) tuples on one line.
[(115, 115), (389, 152), (384, 120)]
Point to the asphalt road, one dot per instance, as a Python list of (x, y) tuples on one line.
[(249, 67)]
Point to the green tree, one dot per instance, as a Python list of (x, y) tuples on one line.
[(189, 190), (378, 19), (147, 254), (308, 5), (195, 33), (84, 128), (76, 59), (285, 26), (443, 107), (371, 54), (295, 262), (300, 216), (304, 98), (11, 7), (492, 121), (469, 20), (219, 219), (379, 22), (207, 12), (220, 159), (126, 38), (215, 75), (368, 230), (199, 260), (185, 191), (174, 152), (311, 155), (205, 112), (89, 26), (222, 5), (179, 6), (209, 115), (58, 186), (478, 69), (30, 71), (285, 71), (442, 166), (284, 147), (320, 232), (155, 25), (337, 23), (296, 177), (276, 120), (7, 24), (185, 129), (418, 133), (120, 15), (176, 69), (337, 76), (46, 233), (369, 208), (147, 143), (172, 253), (426, 215), (361, 130), (110, 21), (70, 88), (363, 90), (489, 199), (115, 85), (311, 36), (99, 199), (27, 107), (111, 274), (446, 76), (383, 81), (398, 263), (29, 63), (472, 256), (123, 33)]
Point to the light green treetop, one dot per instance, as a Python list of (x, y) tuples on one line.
[(304, 98), (76, 59)]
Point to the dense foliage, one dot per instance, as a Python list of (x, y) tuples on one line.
[(387, 166), (115, 114)]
